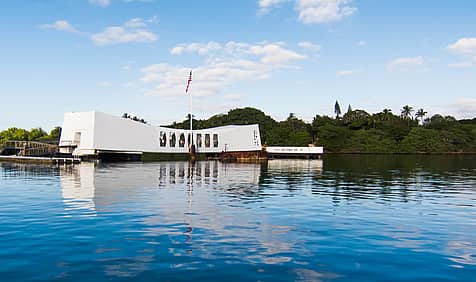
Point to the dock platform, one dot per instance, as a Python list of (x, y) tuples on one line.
[(40, 160)]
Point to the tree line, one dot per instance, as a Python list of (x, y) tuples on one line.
[(356, 131), (34, 134), (134, 118)]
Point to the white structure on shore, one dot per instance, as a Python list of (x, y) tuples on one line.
[(92, 133)]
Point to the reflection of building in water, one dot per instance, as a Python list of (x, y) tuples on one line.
[(186, 202), (208, 172), (295, 165), (77, 183), (89, 185), (293, 173)]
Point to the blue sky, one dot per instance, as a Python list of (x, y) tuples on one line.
[(281, 56)]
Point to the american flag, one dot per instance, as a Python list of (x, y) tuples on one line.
[(188, 83)]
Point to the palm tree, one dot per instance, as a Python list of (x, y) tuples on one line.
[(387, 113), (420, 114), (337, 110), (407, 113)]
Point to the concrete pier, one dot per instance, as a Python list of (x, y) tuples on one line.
[(40, 160)]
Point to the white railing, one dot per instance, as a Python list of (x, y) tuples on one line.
[(68, 143), (295, 150)]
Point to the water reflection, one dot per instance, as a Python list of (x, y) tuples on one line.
[(77, 183), (396, 178), (304, 220), (199, 206), (89, 184)]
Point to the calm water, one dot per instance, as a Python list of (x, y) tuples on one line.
[(361, 218)]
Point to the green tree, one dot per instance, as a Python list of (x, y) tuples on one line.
[(357, 119), (14, 133), (333, 137), (337, 110), (371, 141), (36, 134), (55, 133), (440, 122), (387, 114), (407, 113), (422, 140), (317, 122), (420, 114)]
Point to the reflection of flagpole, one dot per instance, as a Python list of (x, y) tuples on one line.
[(189, 230)]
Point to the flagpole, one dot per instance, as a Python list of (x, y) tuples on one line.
[(191, 118), (191, 109)]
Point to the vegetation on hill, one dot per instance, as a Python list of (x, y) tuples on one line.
[(356, 131)]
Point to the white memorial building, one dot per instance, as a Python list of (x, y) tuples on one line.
[(90, 134)]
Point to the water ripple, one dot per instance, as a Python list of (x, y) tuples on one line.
[(342, 218)]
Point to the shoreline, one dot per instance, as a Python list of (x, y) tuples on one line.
[(393, 154)]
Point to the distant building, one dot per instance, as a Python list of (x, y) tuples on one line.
[(95, 134)]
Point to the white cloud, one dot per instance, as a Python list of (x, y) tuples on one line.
[(266, 5), (465, 46), (129, 32), (135, 22), (200, 48), (405, 63), (268, 53), (101, 3), (347, 72), (61, 25), (463, 108), (224, 65), (309, 46), (134, 30), (269, 3), (313, 11), (233, 97), (274, 54), (362, 43), (143, 1), (322, 11), (117, 35), (208, 79), (461, 65), (105, 84)]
